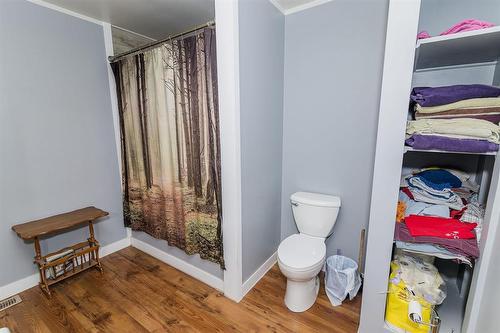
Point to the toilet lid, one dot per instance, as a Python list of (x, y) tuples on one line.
[(301, 251)]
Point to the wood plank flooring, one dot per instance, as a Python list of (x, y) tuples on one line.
[(138, 293)]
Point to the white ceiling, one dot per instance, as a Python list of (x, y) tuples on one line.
[(153, 18)]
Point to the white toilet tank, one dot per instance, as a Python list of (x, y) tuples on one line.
[(315, 214)]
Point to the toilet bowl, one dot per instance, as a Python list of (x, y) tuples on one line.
[(301, 256), (300, 259)]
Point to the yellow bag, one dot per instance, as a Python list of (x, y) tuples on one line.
[(396, 311)]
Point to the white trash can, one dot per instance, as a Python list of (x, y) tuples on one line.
[(341, 279)]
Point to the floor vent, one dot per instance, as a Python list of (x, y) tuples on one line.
[(11, 301)]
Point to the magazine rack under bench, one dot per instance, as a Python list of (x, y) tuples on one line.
[(76, 258)]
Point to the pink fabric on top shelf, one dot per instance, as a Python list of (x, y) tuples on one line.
[(467, 25), (423, 35)]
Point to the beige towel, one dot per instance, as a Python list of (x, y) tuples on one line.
[(461, 127), (466, 103), (460, 113)]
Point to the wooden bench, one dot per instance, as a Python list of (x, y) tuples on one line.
[(78, 257)]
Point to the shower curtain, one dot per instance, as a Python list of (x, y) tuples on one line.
[(169, 121)]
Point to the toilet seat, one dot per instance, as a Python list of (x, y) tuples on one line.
[(301, 252)]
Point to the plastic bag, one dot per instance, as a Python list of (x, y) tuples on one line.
[(396, 311), (398, 302), (341, 279), (421, 278)]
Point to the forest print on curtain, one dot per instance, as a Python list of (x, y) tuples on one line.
[(169, 124)]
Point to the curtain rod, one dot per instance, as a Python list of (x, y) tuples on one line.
[(154, 44)]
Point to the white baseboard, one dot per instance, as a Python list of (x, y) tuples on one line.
[(259, 273), (114, 247), (28, 282), (20, 285), (181, 265)]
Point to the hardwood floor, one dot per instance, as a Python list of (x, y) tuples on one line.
[(138, 293)]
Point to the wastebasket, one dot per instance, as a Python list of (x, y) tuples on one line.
[(341, 279)]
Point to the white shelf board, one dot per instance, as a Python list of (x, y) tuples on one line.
[(407, 149), (470, 47)]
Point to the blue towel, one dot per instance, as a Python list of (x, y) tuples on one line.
[(439, 179)]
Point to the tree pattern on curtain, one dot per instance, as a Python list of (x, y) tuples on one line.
[(169, 122)]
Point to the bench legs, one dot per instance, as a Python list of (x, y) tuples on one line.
[(43, 278), (94, 242)]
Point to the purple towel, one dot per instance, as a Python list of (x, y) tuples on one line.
[(428, 142), (428, 96), (464, 247)]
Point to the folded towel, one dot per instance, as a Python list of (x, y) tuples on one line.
[(464, 177), (439, 179), (423, 193), (462, 128), (429, 142), (417, 182), (465, 247), (460, 112), (466, 103), (429, 96), (489, 114), (412, 207)]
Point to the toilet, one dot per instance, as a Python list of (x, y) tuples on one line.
[(301, 256)]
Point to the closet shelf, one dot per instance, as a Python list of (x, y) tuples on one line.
[(410, 149), (470, 47)]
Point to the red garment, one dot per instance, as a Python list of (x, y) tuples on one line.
[(457, 214), (419, 225), (407, 191)]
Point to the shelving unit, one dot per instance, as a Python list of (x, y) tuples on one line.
[(437, 61), (464, 50), (470, 47), (410, 149)]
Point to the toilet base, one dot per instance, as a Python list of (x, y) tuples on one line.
[(301, 295)]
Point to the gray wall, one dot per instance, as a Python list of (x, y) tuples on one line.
[(57, 143), (333, 68), (261, 97), (482, 73)]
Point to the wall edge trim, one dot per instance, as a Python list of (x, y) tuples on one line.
[(65, 11), (227, 41), (278, 6), (133, 32), (259, 273), (305, 6)]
